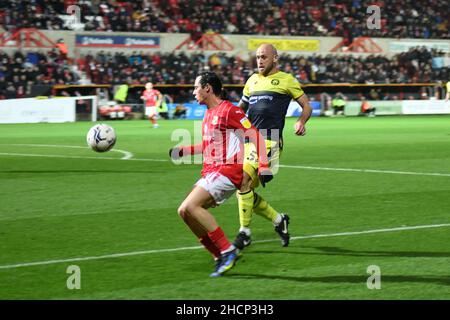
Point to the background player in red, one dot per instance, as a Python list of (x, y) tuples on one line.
[(224, 129), (152, 99)]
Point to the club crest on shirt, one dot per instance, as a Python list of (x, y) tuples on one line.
[(245, 123), (215, 120)]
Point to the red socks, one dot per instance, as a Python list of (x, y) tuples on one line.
[(210, 246), (219, 239)]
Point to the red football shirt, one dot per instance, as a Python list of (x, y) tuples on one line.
[(223, 130), (151, 97)]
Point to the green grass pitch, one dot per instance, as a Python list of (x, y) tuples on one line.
[(117, 219)]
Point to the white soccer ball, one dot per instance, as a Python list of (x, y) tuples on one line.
[(101, 138)]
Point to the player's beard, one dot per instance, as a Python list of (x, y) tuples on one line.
[(268, 69)]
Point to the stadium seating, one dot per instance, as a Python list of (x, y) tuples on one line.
[(20, 71), (343, 18), (178, 68)]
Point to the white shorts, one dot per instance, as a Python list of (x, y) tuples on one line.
[(150, 111), (218, 186)]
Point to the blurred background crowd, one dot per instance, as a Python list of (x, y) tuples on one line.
[(425, 19), (19, 71), (341, 18)]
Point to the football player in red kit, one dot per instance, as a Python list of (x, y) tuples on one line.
[(224, 129), (153, 99)]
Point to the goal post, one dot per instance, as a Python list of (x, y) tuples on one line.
[(86, 108)]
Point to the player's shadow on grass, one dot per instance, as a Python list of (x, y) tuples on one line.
[(336, 251), (371, 253), (357, 279), (441, 280)]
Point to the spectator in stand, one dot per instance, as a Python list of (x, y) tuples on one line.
[(21, 71), (62, 47), (36, 68), (172, 68), (405, 19)]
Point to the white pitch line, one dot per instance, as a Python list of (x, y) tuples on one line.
[(281, 165), (73, 157), (108, 256), (126, 154), (365, 232), (134, 253), (367, 170)]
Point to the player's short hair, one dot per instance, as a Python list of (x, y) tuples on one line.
[(213, 80), (271, 47)]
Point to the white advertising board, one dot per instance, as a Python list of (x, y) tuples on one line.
[(32, 110), (425, 107)]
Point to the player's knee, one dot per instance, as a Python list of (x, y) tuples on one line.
[(183, 211), (187, 209)]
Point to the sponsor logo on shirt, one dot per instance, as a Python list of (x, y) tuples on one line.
[(255, 99)]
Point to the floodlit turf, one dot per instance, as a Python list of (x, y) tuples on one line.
[(59, 203)]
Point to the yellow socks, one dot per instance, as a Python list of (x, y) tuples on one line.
[(245, 203), (264, 209)]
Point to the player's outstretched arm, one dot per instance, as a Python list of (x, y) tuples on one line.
[(237, 120), (300, 128), (264, 173), (178, 152)]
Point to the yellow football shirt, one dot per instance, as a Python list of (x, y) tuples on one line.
[(268, 99)]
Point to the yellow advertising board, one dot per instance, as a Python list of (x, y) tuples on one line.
[(286, 45)]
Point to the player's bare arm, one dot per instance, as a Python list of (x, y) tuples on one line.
[(300, 128), (178, 152), (264, 173)]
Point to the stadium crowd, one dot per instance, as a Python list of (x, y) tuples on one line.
[(416, 65), (19, 71), (343, 18)]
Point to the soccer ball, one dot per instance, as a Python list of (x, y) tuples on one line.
[(101, 138)]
